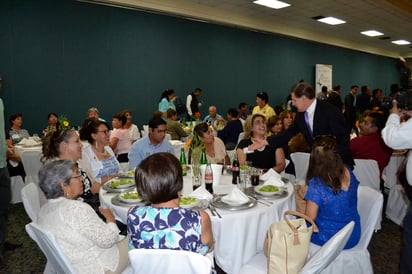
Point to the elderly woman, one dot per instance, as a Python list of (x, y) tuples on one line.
[(268, 156), (66, 145), (163, 224), (203, 137), (90, 244), (120, 138), (13, 136), (98, 158)]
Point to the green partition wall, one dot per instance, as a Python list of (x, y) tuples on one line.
[(66, 56)]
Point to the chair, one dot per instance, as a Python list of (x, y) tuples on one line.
[(32, 164), (329, 251), (16, 184), (301, 162), (367, 172), (57, 262), (397, 205), (164, 261), (241, 137), (33, 198)]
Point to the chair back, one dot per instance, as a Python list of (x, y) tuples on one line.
[(370, 204), (329, 251), (367, 172), (33, 199), (57, 262), (164, 261), (241, 137), (301, 162), (16, 185), (32, 164)]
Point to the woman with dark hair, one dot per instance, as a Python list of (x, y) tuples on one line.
[(98, 158), (268, 156), (120, 138), (163, 224), (91, 245), (13, 136), (52, 123), (203, 137), (332, 195), (132, 128), (274, 125), (167, 101), (66, 145), (262, 99)]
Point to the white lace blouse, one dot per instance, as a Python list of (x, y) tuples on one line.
[(88, 242)]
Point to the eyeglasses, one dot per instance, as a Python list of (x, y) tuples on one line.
[(104, 131)]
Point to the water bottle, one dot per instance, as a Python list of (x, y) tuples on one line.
[(209, 178)]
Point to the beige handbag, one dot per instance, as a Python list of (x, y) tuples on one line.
[(300, 192), (288, 243)]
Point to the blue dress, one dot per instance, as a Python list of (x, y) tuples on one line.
[(335, 211), (165, 228)]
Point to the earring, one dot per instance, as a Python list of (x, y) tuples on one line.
[(96, 145)]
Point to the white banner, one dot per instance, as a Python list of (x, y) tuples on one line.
[(323, 76)]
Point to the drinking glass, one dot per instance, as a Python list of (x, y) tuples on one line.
[(254, 176)]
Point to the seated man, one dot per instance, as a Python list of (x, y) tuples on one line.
[(174, 128), (370, 144), (150, 144), (214, 119), (230, 133)]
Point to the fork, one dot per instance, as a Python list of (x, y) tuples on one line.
[(211, 210), (214, 209)]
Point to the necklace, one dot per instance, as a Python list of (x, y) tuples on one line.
[(100, 153)]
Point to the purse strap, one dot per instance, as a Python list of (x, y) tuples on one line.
[(293, 228)]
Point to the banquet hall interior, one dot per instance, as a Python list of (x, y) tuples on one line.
[(67, 56)]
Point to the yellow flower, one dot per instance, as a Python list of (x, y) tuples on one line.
[(65, 124)]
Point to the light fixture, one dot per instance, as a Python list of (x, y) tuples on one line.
[(371, 33), (274, 4), (331, 21), (401, 42)]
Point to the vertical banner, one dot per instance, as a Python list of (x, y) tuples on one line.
[(323, 76)]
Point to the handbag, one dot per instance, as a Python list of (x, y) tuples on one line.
[(300, 192), (288, 243)]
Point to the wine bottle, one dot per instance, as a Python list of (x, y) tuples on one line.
[(203, 158), (209, 178), (235, 170), (183, 162)]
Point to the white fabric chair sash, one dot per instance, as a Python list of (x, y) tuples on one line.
[(301, 162), (16, 184), (32, 164)]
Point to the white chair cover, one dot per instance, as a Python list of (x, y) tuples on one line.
[(32, 198), (16, 184), (397, 205), (164, 261), (241, 137), (329, 251), (301, 162), (57, 262), (32, 164), (389, 172), (357, 260), (367, 172)]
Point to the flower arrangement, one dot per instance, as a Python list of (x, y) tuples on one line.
[(197, 115), (63, 122)]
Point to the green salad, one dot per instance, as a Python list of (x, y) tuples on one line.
[(269, 188), (121, 182), (185, 201), (131, 196)]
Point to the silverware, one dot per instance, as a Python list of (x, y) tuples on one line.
[(217, 213), (211, 210), (263, 203)]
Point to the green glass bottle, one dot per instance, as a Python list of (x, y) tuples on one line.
[(203, 158), (183, 162)]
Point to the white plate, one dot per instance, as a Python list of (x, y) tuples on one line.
[(125, 185), (226, 200), (195, 203), (129, 201), (266, 193)]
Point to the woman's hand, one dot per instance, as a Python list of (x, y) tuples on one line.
[(258, 144), (108, 214)]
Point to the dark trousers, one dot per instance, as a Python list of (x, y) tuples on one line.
[(406, 261), (5, 196)]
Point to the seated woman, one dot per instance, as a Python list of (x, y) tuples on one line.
[(120, 138), (13, 136), (132, 128), (274, 125), (203, 137), (66, 145), (52, 123), (332, 195), (286, 117), (163, 224), (265, 158), (167, 101), (90, 244), (98, 158), (174, 128)]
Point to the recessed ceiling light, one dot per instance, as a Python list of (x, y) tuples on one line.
[(274, 4), (331, 21), (372, 33), (401, 42)]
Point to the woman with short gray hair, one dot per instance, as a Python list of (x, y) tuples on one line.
[(90, 244)]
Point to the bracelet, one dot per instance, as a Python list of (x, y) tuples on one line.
[(246, 150)]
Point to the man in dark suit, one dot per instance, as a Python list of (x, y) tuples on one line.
[(314, 118)]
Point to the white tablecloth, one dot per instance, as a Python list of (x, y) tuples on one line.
[(19, 149), (239, 234)]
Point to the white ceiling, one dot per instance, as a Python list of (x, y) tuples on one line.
[(391, 17)]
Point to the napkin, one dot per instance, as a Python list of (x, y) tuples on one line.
[(28, 142), (273, 178), (201, 193), (236, 196)]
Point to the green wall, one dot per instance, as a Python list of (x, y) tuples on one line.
[(66, 56)]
